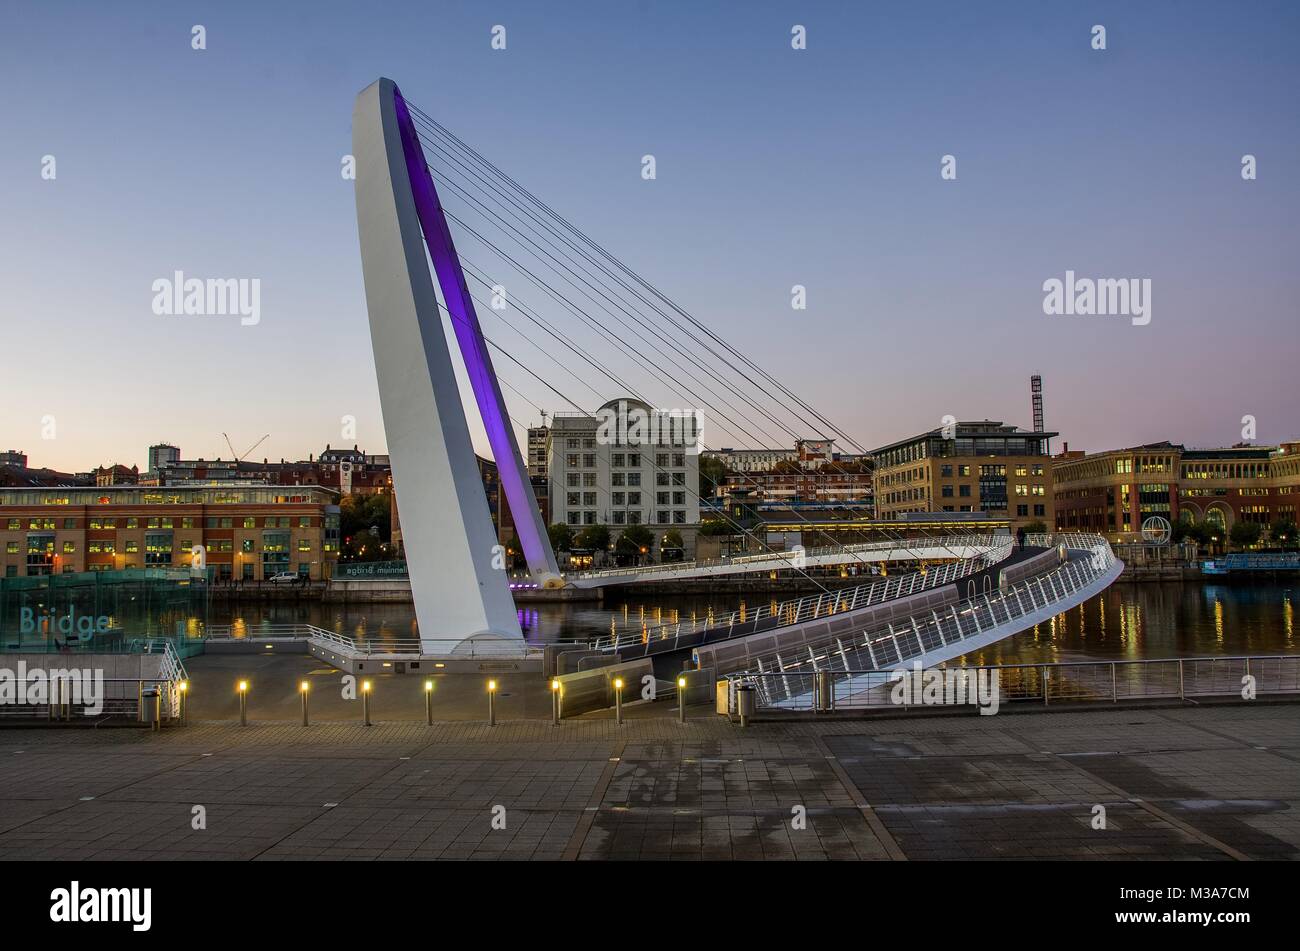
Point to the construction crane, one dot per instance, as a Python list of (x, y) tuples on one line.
[(240, 458)]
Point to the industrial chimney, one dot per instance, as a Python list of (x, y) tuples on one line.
[(1036, 394)]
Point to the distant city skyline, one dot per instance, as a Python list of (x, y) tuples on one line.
[(775, 167)]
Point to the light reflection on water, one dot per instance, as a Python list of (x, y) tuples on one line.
[(1126, 621)]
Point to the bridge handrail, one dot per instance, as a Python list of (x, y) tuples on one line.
[(814, 606), (788, 558), (1106, 680), (367, 647)]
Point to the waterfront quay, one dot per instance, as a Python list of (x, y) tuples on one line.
[(1217, 782)]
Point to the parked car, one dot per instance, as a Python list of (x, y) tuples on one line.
[(284, 577)]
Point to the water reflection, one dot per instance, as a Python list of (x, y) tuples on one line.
[(1124, 622)]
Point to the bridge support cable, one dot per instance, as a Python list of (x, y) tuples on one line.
[(633, 313), (740, 529), (431, 123)]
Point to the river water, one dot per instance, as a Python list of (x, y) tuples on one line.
[(1125, 622)]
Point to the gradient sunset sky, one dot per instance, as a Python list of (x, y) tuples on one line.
[(775, 167)]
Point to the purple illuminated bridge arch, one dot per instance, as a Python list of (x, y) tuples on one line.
[(532, 534)]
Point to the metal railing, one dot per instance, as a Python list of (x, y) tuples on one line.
[(779, 560), (900, 642), (812, 607), (1117, 681), (373, 647)]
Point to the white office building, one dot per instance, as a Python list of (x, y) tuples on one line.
[(627, 465)]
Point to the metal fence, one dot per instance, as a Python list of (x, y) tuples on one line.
[(387, 647), (1181, 678)]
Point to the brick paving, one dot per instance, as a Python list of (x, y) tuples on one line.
[(1208, 783)]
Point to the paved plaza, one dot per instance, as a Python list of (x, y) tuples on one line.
[(1216, 782)]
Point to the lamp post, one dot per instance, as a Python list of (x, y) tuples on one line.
[(681, 699), (555, 701), (302, 689), (365, 703), (492, 702), (618, 700), (243, 703), (184, 688), (428, 702)]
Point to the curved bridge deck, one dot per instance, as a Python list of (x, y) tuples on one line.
[(940, 629), (857, 605), (958, 547)]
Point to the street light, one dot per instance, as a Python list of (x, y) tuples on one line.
[(302, 688), (492, 703), (365, 703), (681, 699), (555, 701), (243, 703), (618, 699), (428, 702)]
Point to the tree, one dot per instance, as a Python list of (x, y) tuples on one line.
[(1202, 533), (1245, 534), (1285, 533), (358, 513), (595, 537), (561, 536), (673, 539), (713, 473), (1035, 528), (635, 541), (716, 526)]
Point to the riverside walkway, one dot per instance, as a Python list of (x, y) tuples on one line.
[(1209, 782)]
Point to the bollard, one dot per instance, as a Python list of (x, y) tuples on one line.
[(428, 702), (618, 700), (492, 703), (681, 699), (824, 693), (157, 709), (184, 688), (243, 703), (745, 703), (139, 701), (555, 701), (302, 689), (365, 703)]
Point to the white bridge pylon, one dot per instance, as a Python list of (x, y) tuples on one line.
[(457, 570)]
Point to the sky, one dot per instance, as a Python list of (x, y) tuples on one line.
[(775, 167)]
